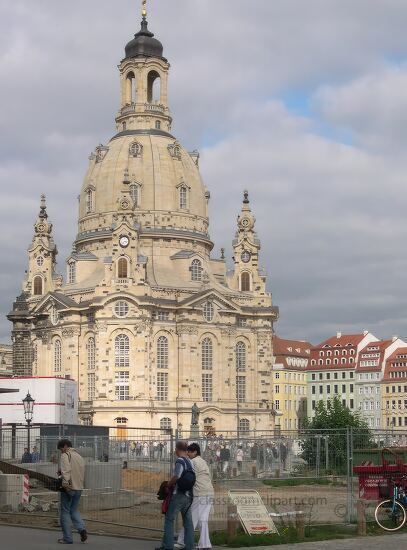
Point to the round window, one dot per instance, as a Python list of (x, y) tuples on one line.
[(208, 311), (40, 261), (121, 308)]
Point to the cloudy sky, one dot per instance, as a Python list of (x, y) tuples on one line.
[(304, 102)]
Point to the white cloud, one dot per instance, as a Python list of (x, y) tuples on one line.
[(330, 215)]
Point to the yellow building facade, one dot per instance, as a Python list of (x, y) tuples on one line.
[(291, 358)]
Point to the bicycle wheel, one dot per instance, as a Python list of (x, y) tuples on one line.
[(389, 516)]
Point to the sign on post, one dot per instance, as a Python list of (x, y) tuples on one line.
[(252, 512)]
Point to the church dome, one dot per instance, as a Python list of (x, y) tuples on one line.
[(144, 44), (151, 173)]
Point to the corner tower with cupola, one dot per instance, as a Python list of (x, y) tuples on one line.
[(147, 320)]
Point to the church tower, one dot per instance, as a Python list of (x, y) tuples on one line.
[(147, 320)]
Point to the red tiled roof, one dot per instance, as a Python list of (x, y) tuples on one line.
[(394, 358), (367, 350), (298, 347), (343, 340)]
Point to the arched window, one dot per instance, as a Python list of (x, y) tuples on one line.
[(240, 356), (162, 353), (57, 356), (336, 361), (244, 425), (208, 311), (153, 87), (165, 425), (245, 282), (91, 348), (183, 197), (328, 361), (37, 286), (158, 125), (89, 201), (72, 272), (196, 270), (131, 88), (207, 354), (122, 350), (122, 268), (135, 194)]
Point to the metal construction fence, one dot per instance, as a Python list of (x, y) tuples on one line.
[(308, 471)]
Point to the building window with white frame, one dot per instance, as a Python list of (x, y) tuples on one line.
[(91, 351), (183, 197), (72, 272), (165, 425), (57, 356), (196, 270), (207, 354), (208, 311), (241, 389), (122, 351), (244, 425), (89, 201), (207, 388), (91, 386), (162, 386), (241, 357), (162, 353), (122, 381)]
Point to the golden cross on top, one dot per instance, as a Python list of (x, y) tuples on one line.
[(144, 8)]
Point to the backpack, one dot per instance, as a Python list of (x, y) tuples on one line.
[(188, 478)]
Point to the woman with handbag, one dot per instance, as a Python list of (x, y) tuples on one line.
[(203, 499)]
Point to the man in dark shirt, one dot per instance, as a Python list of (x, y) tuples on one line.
[(26, 458), (180, 502)]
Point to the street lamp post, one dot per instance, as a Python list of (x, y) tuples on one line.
[(28, 403)]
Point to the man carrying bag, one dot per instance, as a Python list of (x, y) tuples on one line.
[(182, 483)]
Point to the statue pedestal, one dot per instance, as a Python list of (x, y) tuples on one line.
[(194, 433)]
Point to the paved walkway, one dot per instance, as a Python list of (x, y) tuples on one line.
[(19, 538)]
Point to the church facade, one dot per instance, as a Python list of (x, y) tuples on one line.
[(145, 319)]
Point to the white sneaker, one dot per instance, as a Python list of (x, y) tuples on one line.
[(178, 546)]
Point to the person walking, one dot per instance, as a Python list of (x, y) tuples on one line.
[(239, 459), (72, 474), (26, 458), (181, 485), (35, 455), (203, 499)]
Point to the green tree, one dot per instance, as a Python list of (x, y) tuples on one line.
[(327, 436)]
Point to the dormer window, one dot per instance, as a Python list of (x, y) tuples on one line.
[(89, 201), (72, 272), (196, 270), (183, 197)]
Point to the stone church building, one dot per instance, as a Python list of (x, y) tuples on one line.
[(145, 319)]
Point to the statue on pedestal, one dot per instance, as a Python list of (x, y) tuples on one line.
[(195, 415)]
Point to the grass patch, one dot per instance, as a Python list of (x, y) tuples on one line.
[(295, 482), (288, 535)]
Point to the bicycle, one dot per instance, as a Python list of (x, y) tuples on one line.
[(391, 514)]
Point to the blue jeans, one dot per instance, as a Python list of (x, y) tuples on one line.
[(179, 503), (68, 510)]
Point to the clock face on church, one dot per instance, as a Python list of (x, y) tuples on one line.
[(246, 256), (124, 241)]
